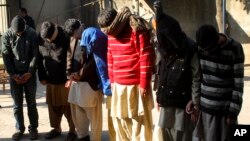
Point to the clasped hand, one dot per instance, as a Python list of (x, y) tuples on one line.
[(21, 79), (73, 77)]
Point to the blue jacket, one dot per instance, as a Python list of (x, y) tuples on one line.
[(95, 41)]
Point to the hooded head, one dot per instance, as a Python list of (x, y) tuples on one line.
[(18, 24), (158, 9), (169, 33), (207, 37)]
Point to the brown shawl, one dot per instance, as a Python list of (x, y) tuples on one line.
[(137, 23)]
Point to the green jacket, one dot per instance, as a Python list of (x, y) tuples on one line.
[(20, 52)]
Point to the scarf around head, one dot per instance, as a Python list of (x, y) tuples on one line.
[(136, 23)]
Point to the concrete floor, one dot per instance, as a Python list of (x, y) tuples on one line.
[(7, 121)]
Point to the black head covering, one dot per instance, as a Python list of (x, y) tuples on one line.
[(18, 24), (207, 36), (169, 33)]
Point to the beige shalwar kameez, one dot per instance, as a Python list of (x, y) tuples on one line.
[(86, 109), (131, 113)]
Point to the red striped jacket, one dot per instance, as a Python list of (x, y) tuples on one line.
[(130, 58)]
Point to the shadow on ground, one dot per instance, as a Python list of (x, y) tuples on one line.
[(60, 138)]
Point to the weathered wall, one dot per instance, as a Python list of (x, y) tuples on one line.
[(144, 9), (193, 13), (53, 10), (58, 11), (239, 21), (13, 6), (190, 13)]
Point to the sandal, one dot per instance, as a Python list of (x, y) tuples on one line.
[(17, 136), (52, 134)]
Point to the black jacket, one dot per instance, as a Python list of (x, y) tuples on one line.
[(20, 52), (52, 58), (175, 81)]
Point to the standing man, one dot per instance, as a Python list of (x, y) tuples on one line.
[(222, 66), (179, 79), (130, 63), (85, 96), (52, 73), (29, 20), (19, 51)]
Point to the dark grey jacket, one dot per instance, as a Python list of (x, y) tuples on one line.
[(20, 52)]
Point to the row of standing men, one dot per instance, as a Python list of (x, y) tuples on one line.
[(199, 88)]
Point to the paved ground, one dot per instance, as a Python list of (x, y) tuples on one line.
[(7, 119), (7, 122)]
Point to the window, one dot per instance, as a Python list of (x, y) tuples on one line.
[(3, 17)]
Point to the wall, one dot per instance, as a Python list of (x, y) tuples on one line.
[(190, 13), (144, 9), (12, 8), (58, 11), (53, 10), (239, 21), (193, 13)]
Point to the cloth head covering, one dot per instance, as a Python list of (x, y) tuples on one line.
[(169, 33), (95, 42), (18, 24), (123, 17), (207, 37)]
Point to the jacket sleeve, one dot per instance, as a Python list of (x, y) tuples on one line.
[(8, 57), (85, 64), (69, 57), (147, 57), (238, 86), (196, 77), (110, 65), (34, 53), (41, 69)]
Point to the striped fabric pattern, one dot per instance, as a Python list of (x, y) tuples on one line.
[(130, 62), (222, 83)]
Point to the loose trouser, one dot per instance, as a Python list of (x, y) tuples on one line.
[(29, 90), (56, 113), (57, 100), (130, 129), (211, 128), (131, 113), (112, 134), (176, 124), (85, 116)]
